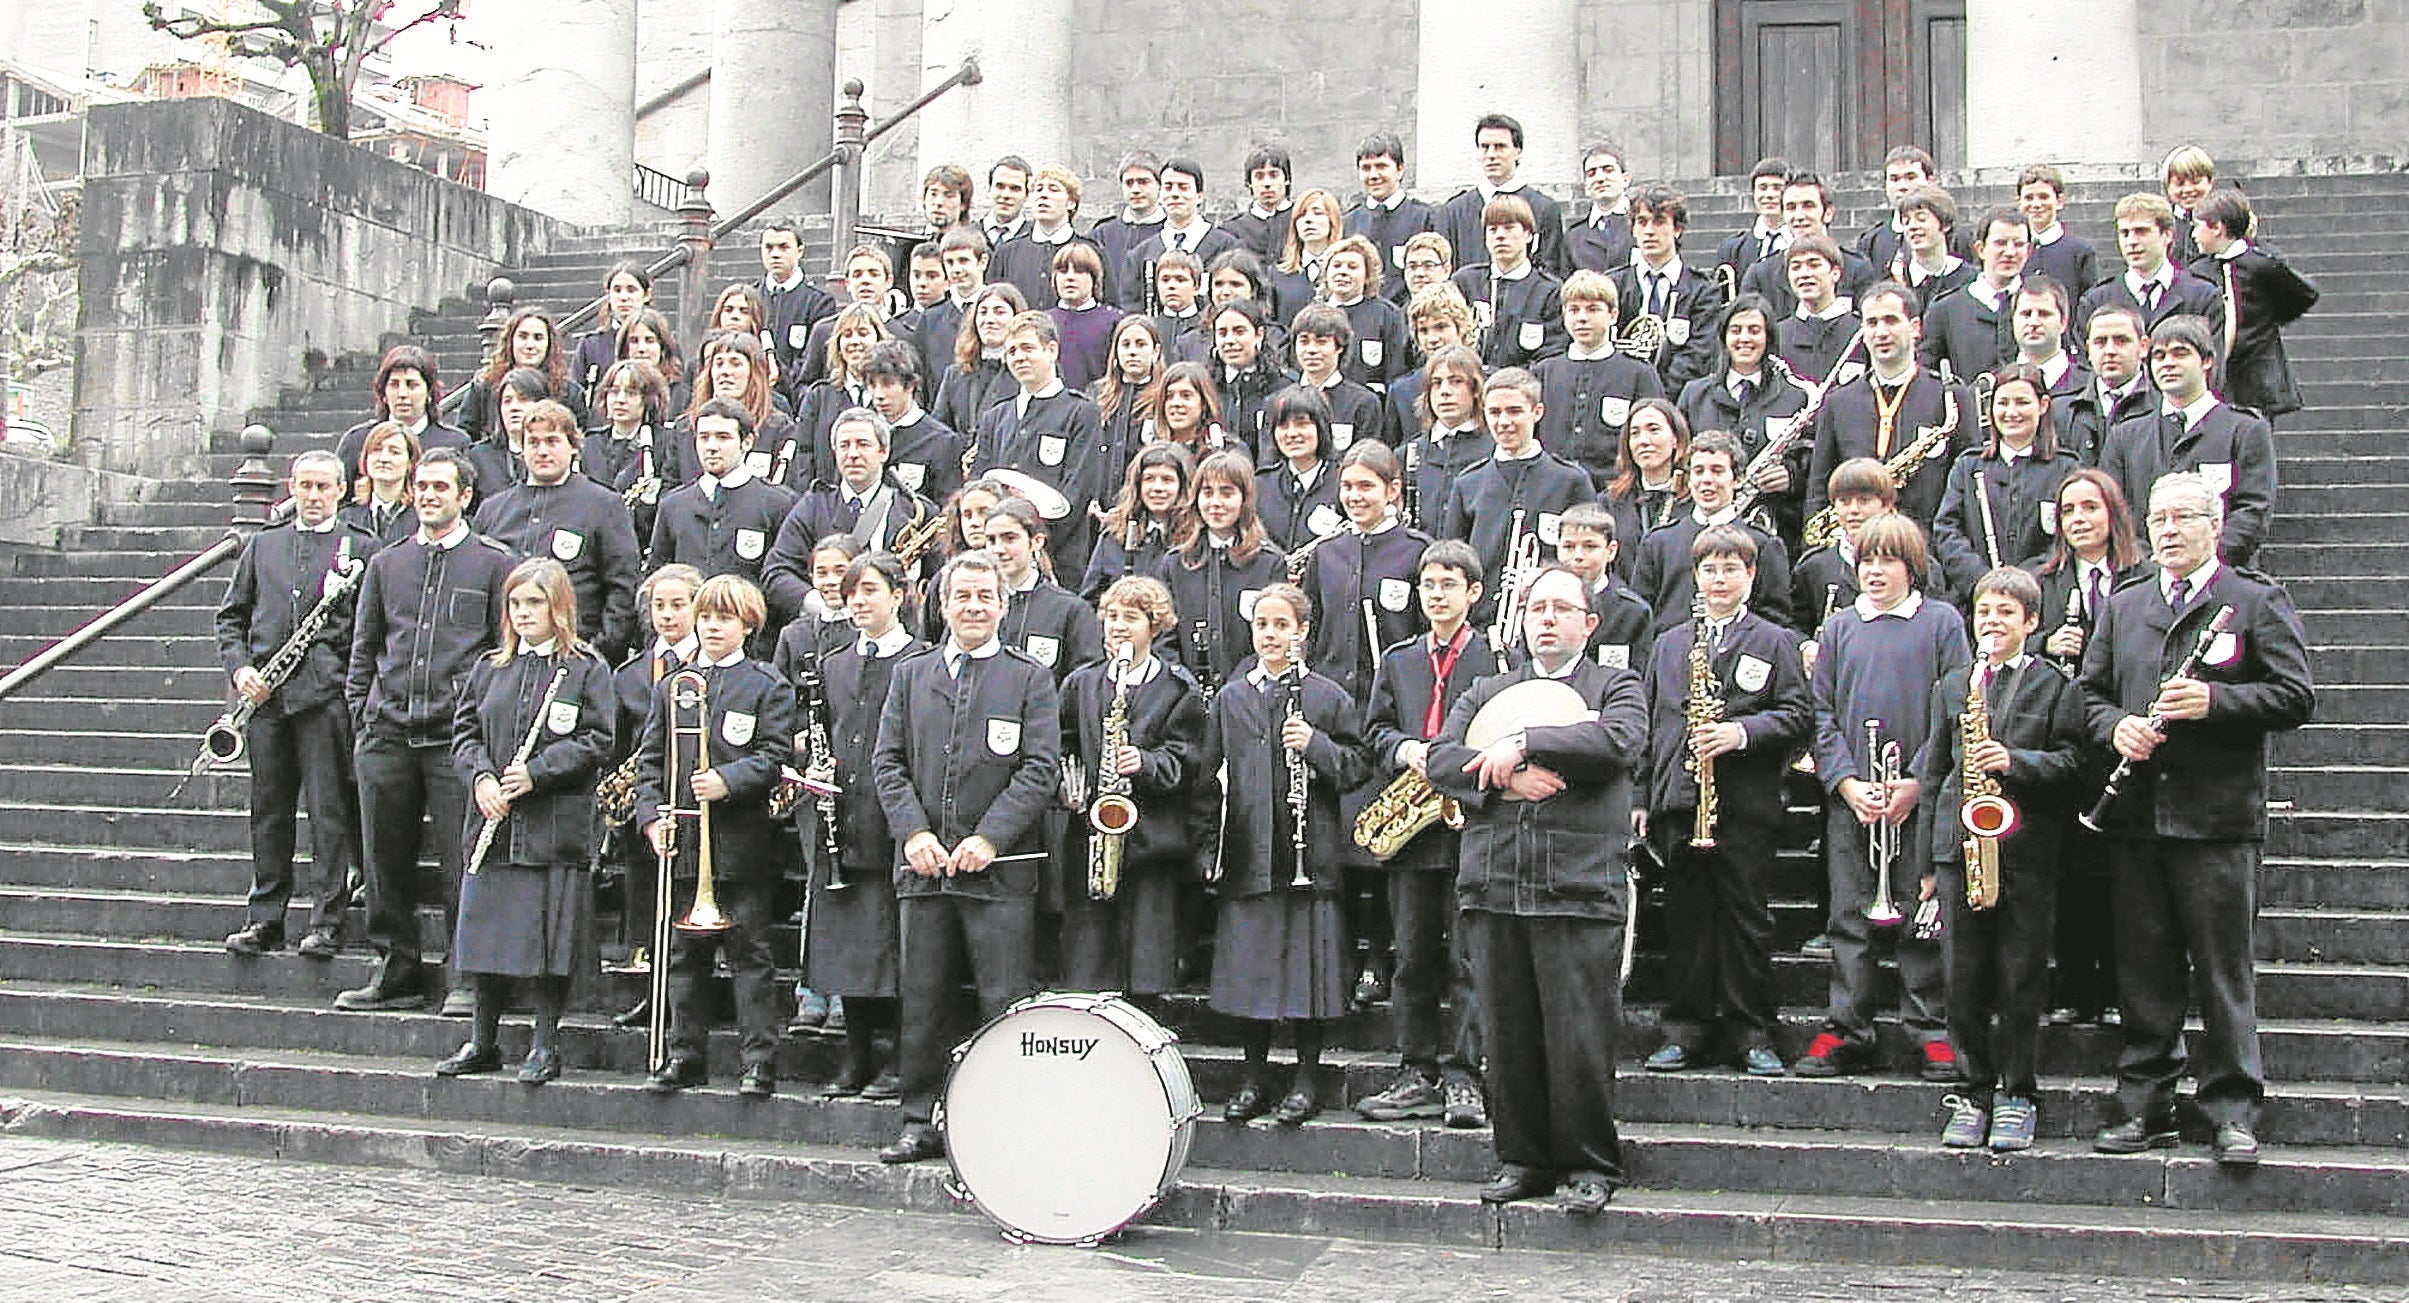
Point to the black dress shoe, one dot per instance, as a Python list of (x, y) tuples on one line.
[(541, 1066), (470, 1058), (256, 939), (885, 1085), (919, 1141), (377, 997), (677, 1075), (635, 1015), (1514, 1181), (320, 944), (2133, 1136), (760, 1082), (1300, 1106), (1587, 1194), (2237, 1146), (848, 1084), (1248, 1104)]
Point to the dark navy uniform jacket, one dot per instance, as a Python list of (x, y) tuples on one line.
[(425, 615), (282, 574)]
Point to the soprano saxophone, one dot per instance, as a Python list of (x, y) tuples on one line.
[(1701, 708)]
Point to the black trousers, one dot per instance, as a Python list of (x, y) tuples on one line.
[(2185, 911), (1718, 939), (750, 905), (1998, 979), (403, 790), (1431, 966), (947, 940), (2085, 977), (1551, 1011), (295, 758), (1923, 981)]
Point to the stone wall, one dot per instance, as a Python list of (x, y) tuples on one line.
[(219, 244), (2275, 78)]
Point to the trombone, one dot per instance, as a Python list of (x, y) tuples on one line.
[(690, 719)]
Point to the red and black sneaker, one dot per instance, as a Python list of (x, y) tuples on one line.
[(1940, 1062), (1829, 1055)]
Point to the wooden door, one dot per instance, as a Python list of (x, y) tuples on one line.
[(1832, 84)]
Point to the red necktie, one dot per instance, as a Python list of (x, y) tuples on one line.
[(1442, 664)]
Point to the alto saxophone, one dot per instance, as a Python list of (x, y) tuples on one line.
[(1112, 814), (615, 794), (1403, 809), (1986, 815), (1824, 525), (1701, 708), (917, 537)]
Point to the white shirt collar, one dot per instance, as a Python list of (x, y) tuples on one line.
[(1141, 675), (1131, 217), (419, 427), (1513, 187), (1671, 270), (1029, 582), (785, 286), (732, 658), (2233, 251), (885, 644), (1917, 274), (1980, 287), (2083, 570), (1521, 271), (1061, 236), (1726, 516), (1622, 208), (457, 535), (2164, 280), (684, 651), (1605, 349), (2055, 369), (1838, 307), (1571, 664), (1868, 612), (2199, 580), (954, 652), (1022, 399), (735, 479), (1388, 205), (2055, 233), (547, 647), (1527, 454), (326, 526), (1732, 380), (1194, 231), (2198, 408)]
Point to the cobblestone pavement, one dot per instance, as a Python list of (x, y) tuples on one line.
[(92, 1220)]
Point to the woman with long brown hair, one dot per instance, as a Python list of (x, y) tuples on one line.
[(977, 379), (1215, 578), (735, 368), (528, 340), (1650, 484), (1155, 515), (1999, 508)]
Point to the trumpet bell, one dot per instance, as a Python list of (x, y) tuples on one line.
[(224, 745), (704, 919), (1112, 815), (1988, 816), (1883, 912)]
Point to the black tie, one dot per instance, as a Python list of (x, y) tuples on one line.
[(1656, 294), (2180, 596), (1747, 390), (2098, 582), (2149, 297), (851, 512)]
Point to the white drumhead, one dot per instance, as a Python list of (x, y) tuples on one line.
[(1060, 1124)]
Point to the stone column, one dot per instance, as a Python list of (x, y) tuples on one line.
[(1023, 104), (2055, 81), (1477, 57), (560, 116), (773, 87)]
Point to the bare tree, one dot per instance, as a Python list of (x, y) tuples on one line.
[(329, 39), (37, 295)]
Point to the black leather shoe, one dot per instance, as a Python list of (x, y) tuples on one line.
[(848, 1084), (919, 1141), (1248, 1104), (2237, 1146), (1668, 1058), (885, 1085), (377, 997), (470, 1058), (1761, 1061), (2133, 1136), (320, 944), (1587, 1194), (1370, 988), (1514, 1181), (635, 1015), (677, 1075), (760, 1082), (1301, 1105), (541, 1066), (256, 939)]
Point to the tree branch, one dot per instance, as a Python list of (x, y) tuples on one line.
[(441, 9), (203, 25)]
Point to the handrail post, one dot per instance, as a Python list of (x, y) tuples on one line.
[(501, 299), (255, 480), (845, 189), (694, 241)]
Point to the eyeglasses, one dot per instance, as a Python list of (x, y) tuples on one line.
[(2157, 518)]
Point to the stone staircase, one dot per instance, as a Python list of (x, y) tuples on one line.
[(121, 1017)]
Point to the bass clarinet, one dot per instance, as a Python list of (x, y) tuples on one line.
[(224, 743)]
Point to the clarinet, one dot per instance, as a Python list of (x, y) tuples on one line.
[(823, 794), (2096, 817), (535, 734), (2074, 615), (1300, 791)]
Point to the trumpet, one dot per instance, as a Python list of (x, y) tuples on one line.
[(1882, 836), (223, 742), (1522, 565), (1112, 815), (535, 734), (690, 719), (1985, 814)]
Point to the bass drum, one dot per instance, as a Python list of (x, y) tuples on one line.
[(1067, 1118)]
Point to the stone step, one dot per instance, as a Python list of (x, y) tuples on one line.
[(2339, 626), (120, 563), (119, 649), (33, 864), (2366, 665), (106, 750), (2343, 1180), (182, 540), (2342, 787), (2376, 834), (172, 682), (182, 718), (1769, 1227), (92, 596), (2340, 936), (2298, 470), (2323, 744), (2289, 530), (2337, 884), (164, 513), (2315, 499), (2314, 591), (2320, 367)]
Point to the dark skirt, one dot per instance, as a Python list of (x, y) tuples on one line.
[(1130, 943), (1280, 955), (853, 935), (517, 920)]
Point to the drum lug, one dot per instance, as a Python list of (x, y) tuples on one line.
[(955, 1190), (1012, 1236)]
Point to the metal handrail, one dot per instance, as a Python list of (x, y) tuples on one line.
[(254, 483)]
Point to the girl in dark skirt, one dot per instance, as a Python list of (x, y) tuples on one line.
[(1279, 950), (1128, 941), (852, 949), (529, 738)]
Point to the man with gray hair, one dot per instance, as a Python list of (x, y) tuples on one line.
[(298, 738), (2193, 664), (865, 503)]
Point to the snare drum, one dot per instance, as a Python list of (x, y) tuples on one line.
[(1067, 1118)]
